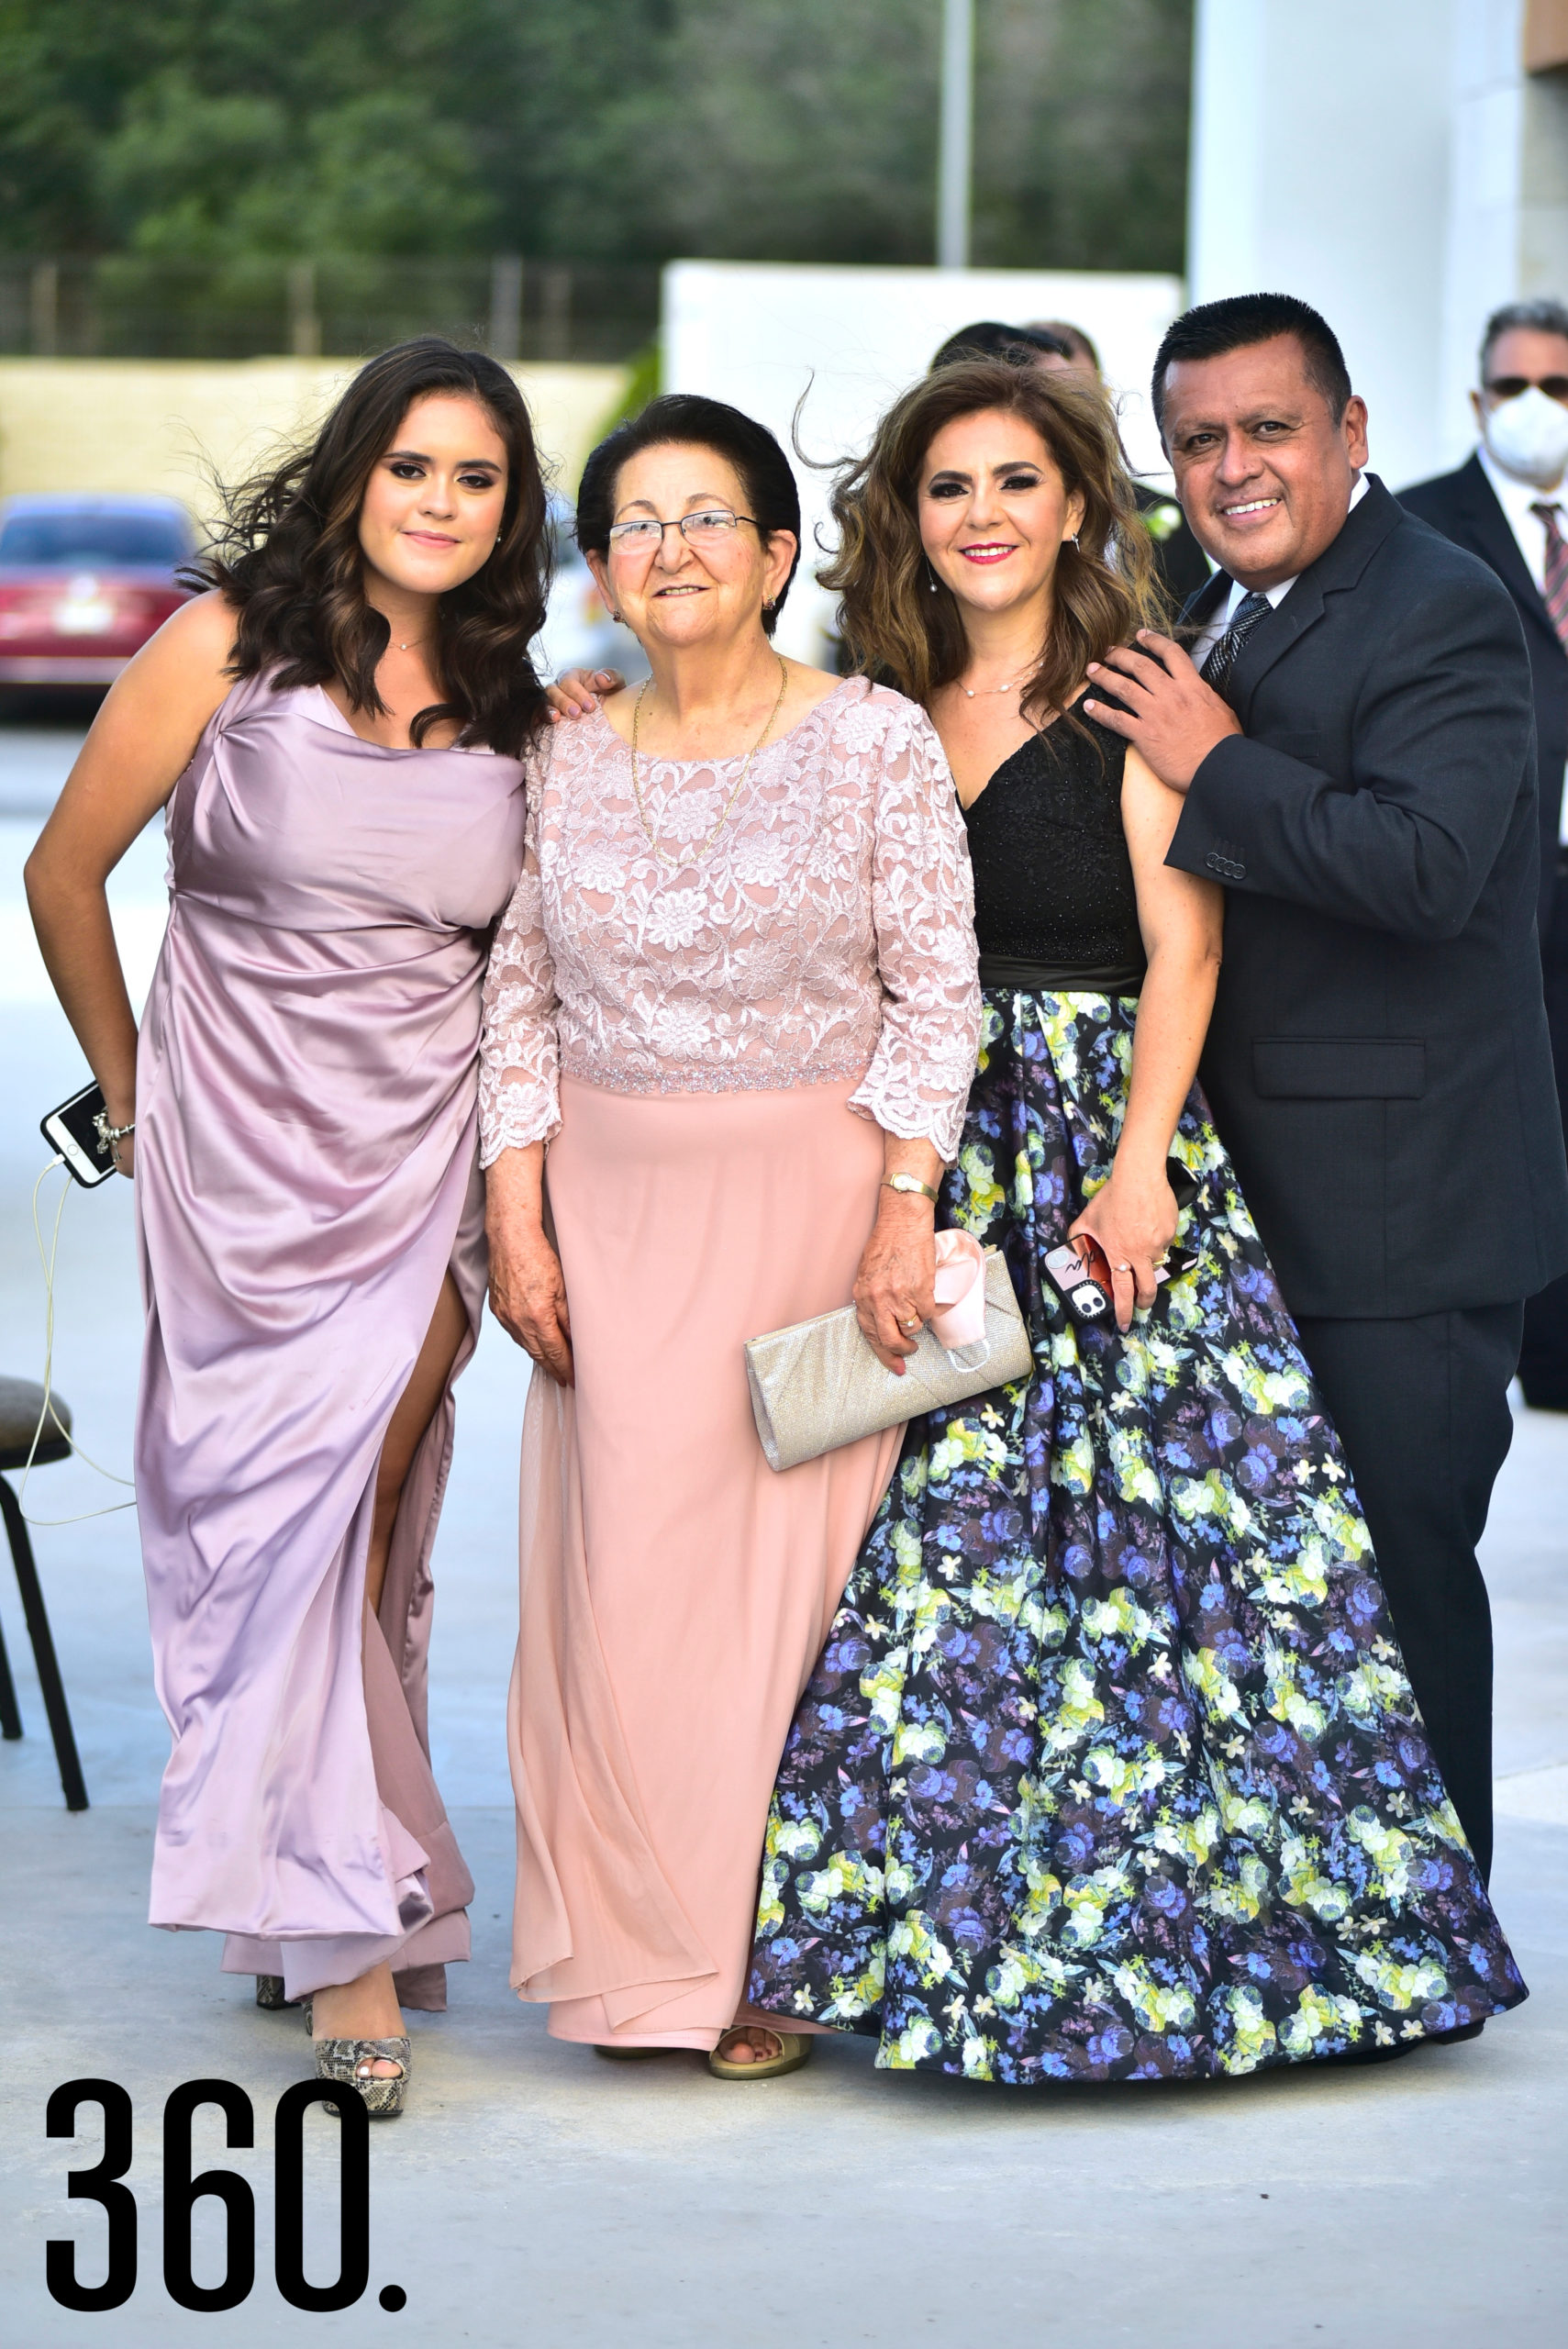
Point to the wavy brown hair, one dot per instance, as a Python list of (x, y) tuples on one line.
[(287, 557), (896, 628)]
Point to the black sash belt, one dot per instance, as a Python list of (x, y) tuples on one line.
[(1026, 977)]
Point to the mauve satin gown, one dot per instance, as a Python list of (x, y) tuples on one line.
[(306, 1173)]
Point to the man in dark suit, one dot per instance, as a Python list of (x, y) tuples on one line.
[(1506, 504), (1364, 789)]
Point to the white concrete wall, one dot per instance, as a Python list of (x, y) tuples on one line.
[(841, 342), (1320, 167), (1391, 161)]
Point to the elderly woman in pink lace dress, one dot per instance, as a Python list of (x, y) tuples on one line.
[(734, 999)]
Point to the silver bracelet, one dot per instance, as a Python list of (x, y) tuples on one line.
[(109, 1135)]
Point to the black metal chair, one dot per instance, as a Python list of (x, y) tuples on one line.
[(20, 1404)]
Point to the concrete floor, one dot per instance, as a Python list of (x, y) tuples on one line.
[(537, 2196)]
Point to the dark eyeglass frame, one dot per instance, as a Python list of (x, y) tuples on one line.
[(1511, 388), (618, 532)]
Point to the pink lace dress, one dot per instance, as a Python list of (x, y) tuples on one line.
[(712, 1044)]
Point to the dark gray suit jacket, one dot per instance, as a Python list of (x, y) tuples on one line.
[(1378, 1062), (1463, 506)]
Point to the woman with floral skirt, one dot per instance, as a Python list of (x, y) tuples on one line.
[(1110, 1767)]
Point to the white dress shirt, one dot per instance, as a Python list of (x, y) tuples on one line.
[(1516, 498), (1220, 620)]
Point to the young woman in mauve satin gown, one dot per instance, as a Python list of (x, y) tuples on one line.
[(334, 730), (1110, 1767)]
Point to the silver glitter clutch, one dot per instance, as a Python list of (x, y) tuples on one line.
[(818, 1385)]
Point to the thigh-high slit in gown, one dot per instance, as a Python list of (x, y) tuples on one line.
[(307, 1178)]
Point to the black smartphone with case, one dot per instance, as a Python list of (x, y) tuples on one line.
[(72, 1131)]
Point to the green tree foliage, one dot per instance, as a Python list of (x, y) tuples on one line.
[(585, 129)]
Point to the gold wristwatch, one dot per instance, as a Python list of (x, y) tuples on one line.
[(909, 1182)]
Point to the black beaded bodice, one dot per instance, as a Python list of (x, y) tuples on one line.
[(1052, 878)]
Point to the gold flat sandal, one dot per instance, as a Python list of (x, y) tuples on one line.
[(795, 2049)]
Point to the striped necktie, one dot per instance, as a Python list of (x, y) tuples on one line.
[(1556, 568), (1223, 653)]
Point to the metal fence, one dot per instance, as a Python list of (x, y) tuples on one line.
[(121, 307)]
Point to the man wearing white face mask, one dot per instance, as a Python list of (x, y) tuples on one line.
[(1508, 504)]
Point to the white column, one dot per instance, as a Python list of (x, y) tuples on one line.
[(1320, 167), (1482, 223), (955, 163)]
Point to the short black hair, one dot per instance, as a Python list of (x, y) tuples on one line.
[(1079, 346), (1544, 316), (686, 419), (1212, 329), (989, 338)]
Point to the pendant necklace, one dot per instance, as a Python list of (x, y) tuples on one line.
[(677, 863)]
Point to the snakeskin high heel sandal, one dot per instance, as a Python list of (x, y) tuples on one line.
[(349, 2060), (270, 1993)]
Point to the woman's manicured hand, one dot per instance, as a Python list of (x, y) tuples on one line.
[(895, 1289), (527, 1292), (1134, 1220), (579, 692)]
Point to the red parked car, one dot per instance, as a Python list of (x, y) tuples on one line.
[(84, 582)]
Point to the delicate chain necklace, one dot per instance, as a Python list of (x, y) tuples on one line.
[(1011, 687), (676, 863)]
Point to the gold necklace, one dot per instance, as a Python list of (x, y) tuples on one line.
[(676, 863)]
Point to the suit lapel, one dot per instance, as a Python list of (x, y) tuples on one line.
[(1338, 567), (1205, 601), (1496, 543)]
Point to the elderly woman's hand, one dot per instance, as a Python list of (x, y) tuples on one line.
[(895, 1289), (527, 1289), (577, 692)]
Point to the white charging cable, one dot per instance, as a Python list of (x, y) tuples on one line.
[(48, 1263)]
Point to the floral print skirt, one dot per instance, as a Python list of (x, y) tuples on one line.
[(1110, 1768)]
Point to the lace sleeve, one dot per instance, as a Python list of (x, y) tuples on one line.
[(519, 1051), (923, 909)]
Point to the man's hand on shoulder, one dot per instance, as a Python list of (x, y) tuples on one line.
[(1167, 714)]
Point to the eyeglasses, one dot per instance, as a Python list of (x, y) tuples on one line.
[(709, 529), (1509, 387)]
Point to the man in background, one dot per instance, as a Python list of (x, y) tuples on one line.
[(1506, 504), (1178, 558)]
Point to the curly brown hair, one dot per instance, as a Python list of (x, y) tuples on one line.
[(287, 557), (895, 628)]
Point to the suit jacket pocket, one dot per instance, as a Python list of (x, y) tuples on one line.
[(1339, 1068)]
